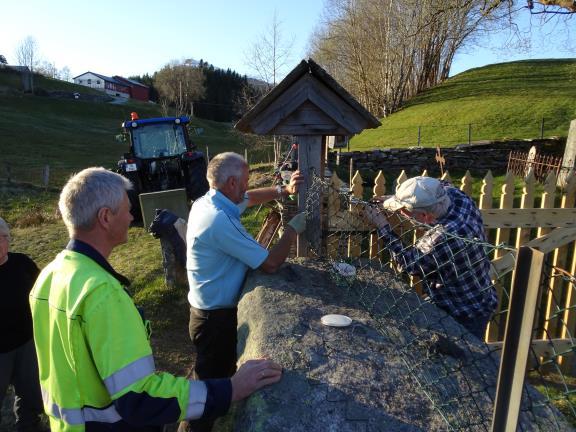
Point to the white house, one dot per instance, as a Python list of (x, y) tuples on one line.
[(110, 85)]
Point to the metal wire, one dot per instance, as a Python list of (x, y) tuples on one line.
[(453, 369)]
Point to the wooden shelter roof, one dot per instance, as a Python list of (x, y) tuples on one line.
[(307, 102)]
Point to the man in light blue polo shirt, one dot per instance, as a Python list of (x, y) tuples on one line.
[(219, 253)]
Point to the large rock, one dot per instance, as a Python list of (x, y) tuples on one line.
[(403, 365)]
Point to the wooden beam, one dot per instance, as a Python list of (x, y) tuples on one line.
[(517, 338), (529, 218), (309, 163), (547, 348), (545, 244)]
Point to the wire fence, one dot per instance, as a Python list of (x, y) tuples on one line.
[(449, 134), (396, 274)]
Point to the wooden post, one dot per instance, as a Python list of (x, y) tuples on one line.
[(549, 296), (46, 176), (517, 340), (378, 191), (8, 172), (309, 163), (466, 185), (333, 209), (355, 240), (502, 236), (560, 259)]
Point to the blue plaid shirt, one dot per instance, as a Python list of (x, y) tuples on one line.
[(451, 259)]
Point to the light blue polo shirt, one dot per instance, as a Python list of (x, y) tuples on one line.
[(219, 252)]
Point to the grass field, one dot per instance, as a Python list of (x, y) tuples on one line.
[(501, 101), (69, 134)]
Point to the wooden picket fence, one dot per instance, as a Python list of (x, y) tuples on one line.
[(551, 228)]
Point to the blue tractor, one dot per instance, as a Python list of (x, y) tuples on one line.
[(161, 157)]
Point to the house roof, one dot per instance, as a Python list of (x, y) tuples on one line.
[(129, 81), (102, 77), (308, 69), (18, 68)]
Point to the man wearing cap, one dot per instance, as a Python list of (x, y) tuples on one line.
[(450, 256)]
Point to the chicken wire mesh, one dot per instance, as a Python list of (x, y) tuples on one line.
[(393, 274)]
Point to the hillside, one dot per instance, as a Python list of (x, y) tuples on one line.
[(70, 134), (506, 100)]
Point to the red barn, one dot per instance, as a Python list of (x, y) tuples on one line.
[(138, 90)]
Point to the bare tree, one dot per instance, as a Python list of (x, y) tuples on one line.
[(180, 84), (27, 53), (3, 60), (65, 74), (269, 57), (270, 54), (535, 6), (48, 69), (385, 51)]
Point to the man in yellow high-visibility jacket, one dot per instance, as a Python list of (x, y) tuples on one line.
[(95, 362)]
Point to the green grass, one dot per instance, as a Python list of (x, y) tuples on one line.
[(11, 79), (69, 135), (501, 101)]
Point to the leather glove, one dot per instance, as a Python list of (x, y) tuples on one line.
[(298, 222)]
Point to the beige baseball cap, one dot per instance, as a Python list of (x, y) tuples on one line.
[(414, 193)]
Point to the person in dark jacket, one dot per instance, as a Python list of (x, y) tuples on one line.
[(18, 365)]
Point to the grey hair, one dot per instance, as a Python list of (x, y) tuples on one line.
[(86, 193), (4, 228), (223, 166), (438, 209)]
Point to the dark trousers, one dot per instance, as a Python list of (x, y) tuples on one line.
[(477, 326), (20, 368), (214, 334)]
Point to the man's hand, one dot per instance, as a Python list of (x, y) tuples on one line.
[(298, 223), (374, 216), (252, 376), (295, 180)]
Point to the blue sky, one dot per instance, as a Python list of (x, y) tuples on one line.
[(132, 38)]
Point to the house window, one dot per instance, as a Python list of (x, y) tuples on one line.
[(97, 81), (80, 81), (89, 81)]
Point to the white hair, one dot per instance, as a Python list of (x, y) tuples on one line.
[(223, 166), (4, 228), (87, 192), (438, 209)]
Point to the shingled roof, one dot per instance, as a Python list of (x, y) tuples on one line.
[(307, 87)]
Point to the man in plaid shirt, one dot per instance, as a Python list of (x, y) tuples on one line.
[(450, 257)]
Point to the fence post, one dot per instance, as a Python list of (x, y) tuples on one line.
[(517, 339), (542, 128), (8, 173), (46, 176), (207, 154), (246, 155), (419, 134), (469, 133)]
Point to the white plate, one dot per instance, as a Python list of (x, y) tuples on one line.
[(344, 269), (333, 320)]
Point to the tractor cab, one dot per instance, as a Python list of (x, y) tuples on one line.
[(158, 138), (161, 157)]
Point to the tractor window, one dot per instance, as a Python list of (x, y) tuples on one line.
[(158, 140)]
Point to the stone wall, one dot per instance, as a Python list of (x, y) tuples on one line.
[(373, 375), (477, 157)]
